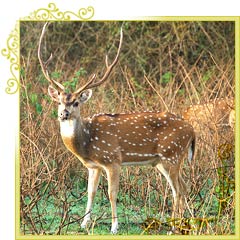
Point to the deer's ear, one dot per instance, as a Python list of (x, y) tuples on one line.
[(85, 95), (53, 93)]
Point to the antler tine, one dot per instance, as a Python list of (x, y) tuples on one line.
[(44, 65), (86, 86), (49, 60), (90, 83), (109, 68)]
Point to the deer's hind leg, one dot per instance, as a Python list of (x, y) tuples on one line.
[(178, 187), (113, 175)]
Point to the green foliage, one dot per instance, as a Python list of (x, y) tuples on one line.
[(166, 78), (207, 75), (34, 100), (71, 85), (181, 92), (53, 207), (54, 113), (22, 72), (56, 75)]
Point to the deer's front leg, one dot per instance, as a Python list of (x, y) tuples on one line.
[(113, 173), (93, 181)]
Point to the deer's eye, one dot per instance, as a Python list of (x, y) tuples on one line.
[(75, 104)]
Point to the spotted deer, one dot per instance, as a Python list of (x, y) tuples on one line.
[(214, 114), (105, 142)]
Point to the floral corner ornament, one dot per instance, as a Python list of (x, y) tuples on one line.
[(11, 52), (53, 13)]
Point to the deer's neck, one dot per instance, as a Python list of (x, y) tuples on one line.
[(75, 135)]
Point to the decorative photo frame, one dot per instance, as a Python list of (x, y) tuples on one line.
[(224, 152)]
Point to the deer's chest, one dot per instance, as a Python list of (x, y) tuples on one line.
[(68, 128), (73, 138)]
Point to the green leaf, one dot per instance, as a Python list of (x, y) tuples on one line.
[(38, 108), (166, 77), (33, 98), (56, 75), (22, 72)]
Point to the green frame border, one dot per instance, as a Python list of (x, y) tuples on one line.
[(52, 13)]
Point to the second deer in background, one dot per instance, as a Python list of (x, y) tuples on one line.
[(215, 114)]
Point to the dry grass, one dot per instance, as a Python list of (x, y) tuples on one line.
[(163, 66)]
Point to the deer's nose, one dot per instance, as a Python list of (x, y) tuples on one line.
[(65, 114)]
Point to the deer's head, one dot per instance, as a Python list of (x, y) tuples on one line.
[(69, 103)]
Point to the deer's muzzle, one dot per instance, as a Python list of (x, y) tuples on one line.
[(65, 115)]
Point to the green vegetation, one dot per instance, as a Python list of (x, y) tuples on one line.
[(161, 64)]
